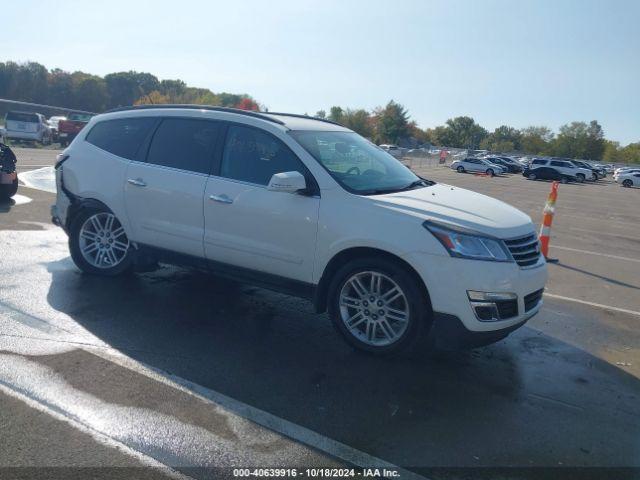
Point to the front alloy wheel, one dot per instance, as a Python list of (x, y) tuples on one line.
[(374, 309)]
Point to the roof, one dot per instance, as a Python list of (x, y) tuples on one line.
[(291, 121)]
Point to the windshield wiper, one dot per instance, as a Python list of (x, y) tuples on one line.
[(417, 183)]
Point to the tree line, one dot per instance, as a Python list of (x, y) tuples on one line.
[(392, 124), (33, 82)]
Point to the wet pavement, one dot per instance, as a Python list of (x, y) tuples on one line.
[(188, 370)]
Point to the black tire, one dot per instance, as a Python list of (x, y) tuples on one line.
[(490, 172), (460, 169), (627, 183), (125, 266), (420, 317), (580, 177), (564, 180), (8, 191), (532, 176)]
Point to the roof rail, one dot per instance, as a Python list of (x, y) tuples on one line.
[(248, 113), (297, 115)]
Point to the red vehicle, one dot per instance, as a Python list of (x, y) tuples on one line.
[(69, 128)]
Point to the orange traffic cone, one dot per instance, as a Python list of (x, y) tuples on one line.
[(547, 220)]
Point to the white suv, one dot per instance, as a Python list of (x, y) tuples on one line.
[(564, 167), (303, 206)]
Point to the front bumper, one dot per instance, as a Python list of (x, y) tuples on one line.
[(449, 280)]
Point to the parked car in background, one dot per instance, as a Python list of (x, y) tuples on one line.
[(305, 207), (27, 126), (629, 179), (563, 167), (393, 150), (481, 165), (3, 134), (53, 123), (596, 172), (8, 174), (69, 128), (516, 166), (624, 172), (547, 173), (508, 166)]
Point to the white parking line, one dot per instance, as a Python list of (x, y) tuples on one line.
[(592, 304), (596, 253)]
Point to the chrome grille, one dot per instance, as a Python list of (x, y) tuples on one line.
[(525, 250)]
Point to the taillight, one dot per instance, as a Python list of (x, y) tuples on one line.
[(60, 159)]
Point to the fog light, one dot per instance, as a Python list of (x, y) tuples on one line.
[(492, 306)]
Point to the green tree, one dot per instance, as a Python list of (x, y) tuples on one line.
[(631, 153), (536, 140), (335, 114), (359, 121), (391, 123), (321, 114), (580, 140), (460, 132), (124, 88), (502, 139), (90, 92)]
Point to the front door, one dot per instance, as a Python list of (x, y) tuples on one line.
[(249, 226)]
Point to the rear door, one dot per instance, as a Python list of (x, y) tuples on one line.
[(164, 191), (249, 226)]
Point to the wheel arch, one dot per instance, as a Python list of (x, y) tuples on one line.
[(352, 253), (78, 204)]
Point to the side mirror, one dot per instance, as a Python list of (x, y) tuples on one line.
[(288, 182)]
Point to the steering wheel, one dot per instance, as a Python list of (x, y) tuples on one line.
[(353, 170)]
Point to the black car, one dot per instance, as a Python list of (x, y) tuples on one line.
[(503, 163), (8, 174), (547, 173), (516, 167)]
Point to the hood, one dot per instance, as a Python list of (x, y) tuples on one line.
[(459, 207)]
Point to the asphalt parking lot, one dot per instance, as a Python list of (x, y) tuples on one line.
[(175, 368)]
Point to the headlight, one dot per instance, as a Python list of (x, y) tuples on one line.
[(465, 244)]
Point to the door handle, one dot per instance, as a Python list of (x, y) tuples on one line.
[(138, 182), (220, 198)]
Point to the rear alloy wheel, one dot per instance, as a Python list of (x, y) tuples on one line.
[(377, 307), (460, 169), (580, 177), (532, 176), (563, 180), (490, 172), (99, 244), (627, 183)]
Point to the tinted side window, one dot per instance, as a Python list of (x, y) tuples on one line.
[(121, 137), (539, 162), (558, 164), (254, 156), (184, 143)]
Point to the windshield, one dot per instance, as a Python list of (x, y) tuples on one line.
[(357, 164), (22, 117), (80, 117)]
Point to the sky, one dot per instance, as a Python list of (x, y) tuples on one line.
[(513, 62)]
